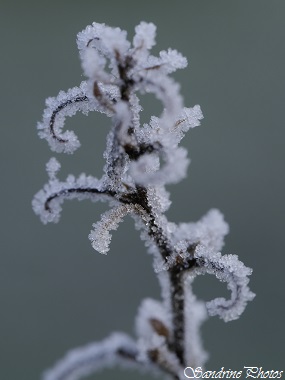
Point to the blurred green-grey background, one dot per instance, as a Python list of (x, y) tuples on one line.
[(56, 292)]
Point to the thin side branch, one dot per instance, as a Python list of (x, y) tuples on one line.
[(60, 108)]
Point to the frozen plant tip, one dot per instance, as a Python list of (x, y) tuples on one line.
[(140, 161)]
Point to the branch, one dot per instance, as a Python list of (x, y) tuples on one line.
[(117, 350), (100, 236), (63, 105), (47, 202)]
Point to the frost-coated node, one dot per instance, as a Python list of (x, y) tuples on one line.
[(140, 160)]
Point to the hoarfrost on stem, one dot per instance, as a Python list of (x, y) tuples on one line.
[(140, 161)]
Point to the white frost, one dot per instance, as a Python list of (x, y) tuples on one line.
[(227, 269), (100, 235), (91, 358)]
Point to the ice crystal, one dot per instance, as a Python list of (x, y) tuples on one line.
[(140, 161)]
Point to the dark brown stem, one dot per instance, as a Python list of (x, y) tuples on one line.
[(57, 110), (127, 82), (177, 300), (176, 273), (156, 357), (66, 192), (102, 99)]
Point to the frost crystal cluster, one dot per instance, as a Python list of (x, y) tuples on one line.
[(140, 161)]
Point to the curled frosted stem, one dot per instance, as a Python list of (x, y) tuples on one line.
[(227, 269), (59, 108), (100, 236), (47, 203)]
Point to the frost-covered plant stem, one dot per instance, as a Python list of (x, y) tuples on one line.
[(140, 161)]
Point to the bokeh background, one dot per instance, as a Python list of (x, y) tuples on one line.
[(56, 292)]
